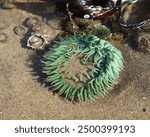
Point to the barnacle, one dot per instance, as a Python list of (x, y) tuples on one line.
[(20, 30), (36, 41), (32, 21), (82, 67)]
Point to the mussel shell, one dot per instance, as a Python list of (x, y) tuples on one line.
[(79, 9), (84, 8)]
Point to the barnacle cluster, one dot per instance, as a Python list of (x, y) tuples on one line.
[(82, 67)]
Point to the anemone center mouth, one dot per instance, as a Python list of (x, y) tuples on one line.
[(74, 72)]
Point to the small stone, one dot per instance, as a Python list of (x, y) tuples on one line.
[(131, 112), (86, 16), (20, 30), (144, 98), (3, 37)]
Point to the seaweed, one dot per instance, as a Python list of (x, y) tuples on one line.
[(88, 27)]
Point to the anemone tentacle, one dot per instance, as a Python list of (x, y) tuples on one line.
[(82, 67)]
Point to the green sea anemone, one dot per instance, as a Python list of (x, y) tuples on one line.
[(82, 67)]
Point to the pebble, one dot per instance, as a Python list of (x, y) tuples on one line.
[(144, 98), (3, 37), (20, 30)]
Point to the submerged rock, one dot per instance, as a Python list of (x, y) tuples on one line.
[(135, 15)]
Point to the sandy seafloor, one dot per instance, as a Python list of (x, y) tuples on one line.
[(23, 96)]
